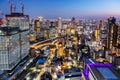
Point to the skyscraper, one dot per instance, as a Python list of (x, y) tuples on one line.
[(112, 33), (9, 47), (14, 40), (40, 18), (22, 22), (60, 22)]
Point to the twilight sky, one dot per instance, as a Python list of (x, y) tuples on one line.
[(66, 8)]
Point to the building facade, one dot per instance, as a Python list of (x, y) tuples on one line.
[(9, 48), (14, 43)]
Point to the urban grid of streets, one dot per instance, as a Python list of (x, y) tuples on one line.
[(68, 60)]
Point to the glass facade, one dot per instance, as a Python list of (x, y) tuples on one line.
[(3, 52), (20, 22), (24, 40), (14, 41), (9, 51), (13, 48), (52, 33)]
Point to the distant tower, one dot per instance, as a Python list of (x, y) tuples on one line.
[(112, 32), (103, 32), (60, 22), (40, 18), (73, 21), (37, 29)]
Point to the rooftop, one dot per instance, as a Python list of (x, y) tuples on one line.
[(103, 71), (16, 15)]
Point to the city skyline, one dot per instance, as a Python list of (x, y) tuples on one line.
[(50, 9)]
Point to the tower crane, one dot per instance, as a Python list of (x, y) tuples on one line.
[(12, 6), (22, 6), (3, 20), (2, 14)]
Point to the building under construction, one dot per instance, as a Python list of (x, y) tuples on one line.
[(14, 40)]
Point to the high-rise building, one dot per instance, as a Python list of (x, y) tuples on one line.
[(73, 21), (118, 42), (9, 47), (40, 18), (14, 46), (1, 22), (47, 24), (112, 33), (22, 22), (37, 28), (24, 43), (60, 22), (32, 34), (18, 20), (52, 31), (14, 40), (103, 33)]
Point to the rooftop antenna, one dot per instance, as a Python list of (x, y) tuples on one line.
[(14, 7)]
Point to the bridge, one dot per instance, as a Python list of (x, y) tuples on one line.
[(42, 44)]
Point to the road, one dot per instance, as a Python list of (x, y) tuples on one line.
[(31, 64)]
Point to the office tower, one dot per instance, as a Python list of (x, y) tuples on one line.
[(52, 30), (40, 18), (59, 22), (24, 43), (32, 26), (47, 24), (22, 22), (103, 33), (14, 40), (37, 29), (32, 34), (118, 42), (112, 33), (73, 20), (9, 47), (18, 20)]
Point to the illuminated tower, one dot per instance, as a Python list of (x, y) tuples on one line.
[(97, 32), (32, 35), (103, 33), (60, 50), (112, 33), (37, 29), (118, 42)]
